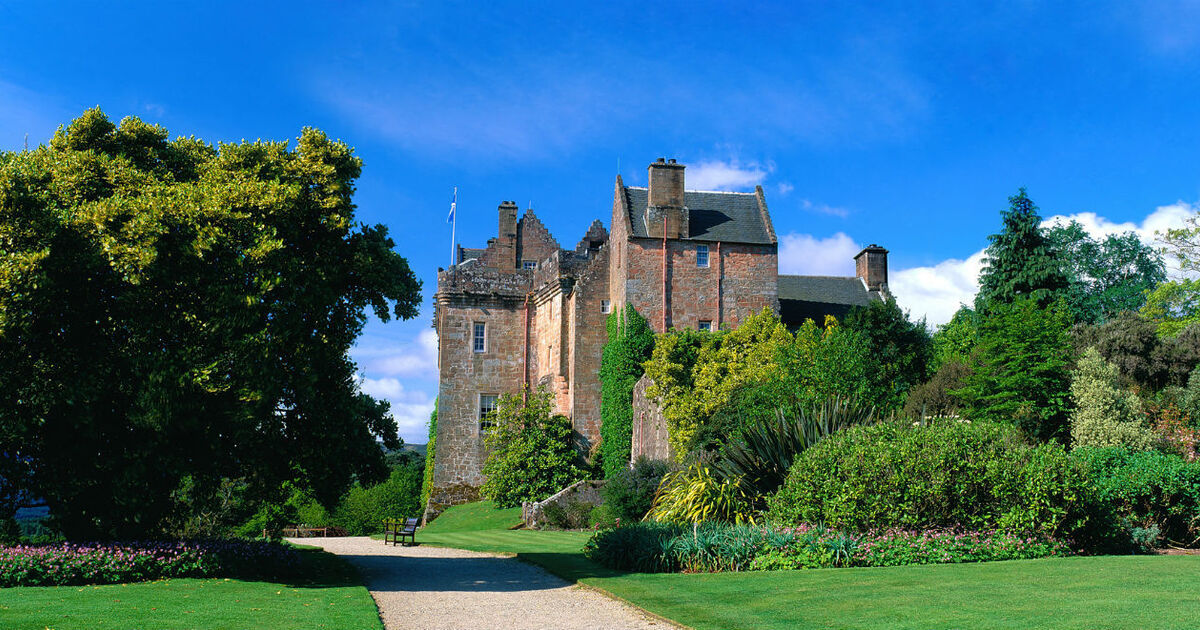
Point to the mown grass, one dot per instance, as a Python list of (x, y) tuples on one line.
[(333, 598), (474, 517), (1096, 592)]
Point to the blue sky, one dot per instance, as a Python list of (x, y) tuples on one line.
[(905, 124)]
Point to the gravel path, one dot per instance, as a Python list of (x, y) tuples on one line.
[(431, 587)]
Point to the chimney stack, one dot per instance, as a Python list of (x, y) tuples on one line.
[(506, 241), (871, 265), (664, 206)]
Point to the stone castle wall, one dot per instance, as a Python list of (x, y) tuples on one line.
[(649, 426)]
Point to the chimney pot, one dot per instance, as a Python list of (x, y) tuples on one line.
[(871, 265)]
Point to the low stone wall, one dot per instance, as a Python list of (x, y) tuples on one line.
[(442, 498), (649, 426), (534, 514)]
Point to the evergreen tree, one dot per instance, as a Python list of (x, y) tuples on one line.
[(1020, 261), (1020, 368), (630, 343)]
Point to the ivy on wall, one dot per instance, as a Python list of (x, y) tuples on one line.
[(430, 451), (630, 343)]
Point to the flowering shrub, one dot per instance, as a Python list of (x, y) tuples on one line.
[(107, 563), (711, 547), (947, 546)]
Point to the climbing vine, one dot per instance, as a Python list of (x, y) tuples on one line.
[(630, 342)]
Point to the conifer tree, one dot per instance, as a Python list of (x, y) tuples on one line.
[(1020, 261)]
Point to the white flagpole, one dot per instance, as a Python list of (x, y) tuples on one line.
[(453, 225)]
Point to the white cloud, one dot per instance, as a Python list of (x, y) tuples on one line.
[(784, 188), (824, 209), (411, 358), (718, 175), (410, 408), (936, 292), (806, 254)]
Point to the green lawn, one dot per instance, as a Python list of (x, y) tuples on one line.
[(335, 598), (473, 517), (1100, 592)]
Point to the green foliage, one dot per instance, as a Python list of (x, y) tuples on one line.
[(1105, 414), (1020, 261), (901, 349), (1151, 490), (761, 455), (1020, 369), (668, 548), (956, 339), (712, 384), (362, 510), (430, 453), (698, 494), (1106, 276), (936, 398), (530, 451), (629, 494), (630, 343), (1173, 306), (574, 515), (171, 310), (978, 475), (818, 547)]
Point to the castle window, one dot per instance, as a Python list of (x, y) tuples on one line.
[(706, 325), (529, 264), (479, 339), (487, 409), (605, 306), (702, 255)]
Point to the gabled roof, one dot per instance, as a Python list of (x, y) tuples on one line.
[(712, 216), (814, 297)]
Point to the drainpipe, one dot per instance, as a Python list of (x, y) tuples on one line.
[(720, 273), (664, 276), (525, 358)]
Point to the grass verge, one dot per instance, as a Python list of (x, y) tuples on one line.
[(333, 598), (1095, 592)]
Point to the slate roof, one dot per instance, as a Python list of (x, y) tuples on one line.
[(814, 297), (712, 216)]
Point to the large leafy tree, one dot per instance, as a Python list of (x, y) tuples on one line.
[(1107, 276), (1020, 261), (902, 348), (1020, 369), (531, 450), (955, 340), (174, 314)]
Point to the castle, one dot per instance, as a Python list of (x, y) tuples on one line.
[(525, 312)]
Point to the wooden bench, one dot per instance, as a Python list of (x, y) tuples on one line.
[(396, 530)]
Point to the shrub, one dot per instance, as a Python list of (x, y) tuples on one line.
[(697, 494), (665, 547), (531, 452), (71, 564), (935, 398), (603, 517), (575, 515), (762, 454), (943, 474), (939, 546), (362, 510), (1149, 489), (1105, 414), (430, 451), (629, 493)]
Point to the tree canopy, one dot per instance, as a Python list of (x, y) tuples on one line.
[(1106, 276), (1020, 260), (174, 314)]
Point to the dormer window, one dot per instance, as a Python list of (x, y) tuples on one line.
[(702, 255)]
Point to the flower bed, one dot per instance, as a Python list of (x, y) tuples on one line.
[(710, 547), (107, 563)]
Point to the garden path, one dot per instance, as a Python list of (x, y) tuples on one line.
[(431, 587)]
